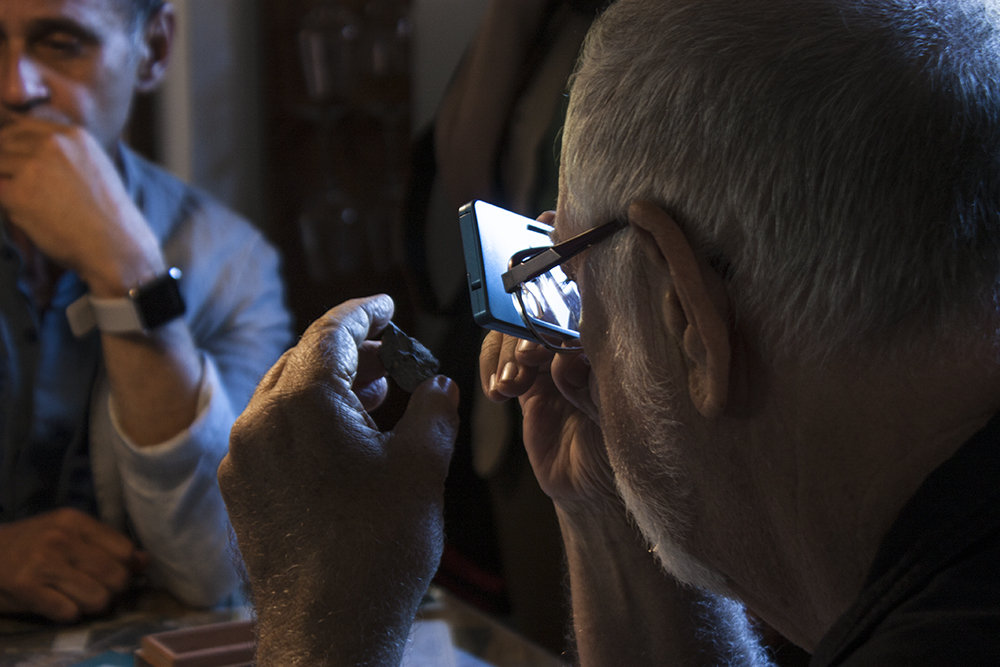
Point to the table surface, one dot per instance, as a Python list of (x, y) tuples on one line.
[(476, 639)]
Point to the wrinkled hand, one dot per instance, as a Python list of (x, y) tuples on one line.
[(60, 187), (338, 523), (561, 425), (63, 565), (561, 431)]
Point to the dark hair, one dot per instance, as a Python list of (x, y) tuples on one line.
[(589, 6), (137, 12)]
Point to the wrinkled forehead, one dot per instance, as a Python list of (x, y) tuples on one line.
[(91, 14)]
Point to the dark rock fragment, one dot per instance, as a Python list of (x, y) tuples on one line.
[(405, 359)]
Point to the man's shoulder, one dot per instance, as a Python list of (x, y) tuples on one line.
[(952, 620), (167, 201), (934, 597), (198, 233)]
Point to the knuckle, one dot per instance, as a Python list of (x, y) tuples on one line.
[(66, 517), (51, 539), (25, 584), (117, 579), (108, 574), (60, 610), (95, 601), (225, 472)]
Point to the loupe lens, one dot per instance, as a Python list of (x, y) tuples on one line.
[(553, 299)]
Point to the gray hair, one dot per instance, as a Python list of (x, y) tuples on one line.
[(837, 160)]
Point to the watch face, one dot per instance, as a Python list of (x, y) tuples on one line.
[(159, 301)]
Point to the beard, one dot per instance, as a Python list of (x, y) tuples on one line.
[(646, 441), (648, 474)]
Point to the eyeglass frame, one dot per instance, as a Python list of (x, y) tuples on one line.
[(526, 265)]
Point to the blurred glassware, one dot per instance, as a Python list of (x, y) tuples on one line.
[(356, 66), (386, 38), (334, 236), (329, 48)]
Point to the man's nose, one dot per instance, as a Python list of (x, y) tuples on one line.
[(22, 85)]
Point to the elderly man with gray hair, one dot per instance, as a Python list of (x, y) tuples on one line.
[(791, 377)]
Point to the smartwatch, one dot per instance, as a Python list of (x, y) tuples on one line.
[(145, 308)]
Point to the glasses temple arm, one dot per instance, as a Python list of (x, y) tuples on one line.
[(532, 268)]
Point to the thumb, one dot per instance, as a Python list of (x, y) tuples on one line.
[(571, 373), (430, 422)]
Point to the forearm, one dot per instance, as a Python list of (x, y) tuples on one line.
[(154, 376), (343, 598), (627, 611), (174, 506), (306, 625), (154, 380)]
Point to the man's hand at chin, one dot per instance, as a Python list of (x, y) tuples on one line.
[(60, 187)]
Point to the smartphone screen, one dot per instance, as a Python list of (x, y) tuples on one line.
[(490, 236)]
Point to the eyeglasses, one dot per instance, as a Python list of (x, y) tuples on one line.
[(548, 301)]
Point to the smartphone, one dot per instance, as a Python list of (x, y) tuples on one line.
[(490, 237)]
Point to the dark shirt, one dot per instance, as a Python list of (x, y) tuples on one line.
[(933, 594)]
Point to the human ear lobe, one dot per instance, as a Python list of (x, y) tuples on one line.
[(694, 309), (158, 38)]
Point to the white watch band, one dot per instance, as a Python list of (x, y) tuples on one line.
[(147, 306), (111, 315)]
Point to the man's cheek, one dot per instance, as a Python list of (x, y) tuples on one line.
[(52, 114)]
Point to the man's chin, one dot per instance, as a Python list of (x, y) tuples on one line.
[(673, 558)]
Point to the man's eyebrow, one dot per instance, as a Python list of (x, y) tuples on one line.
[(39, 28)]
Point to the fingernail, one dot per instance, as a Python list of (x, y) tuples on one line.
[(509, 372), (493, 381), (523, 345), (450, 388)]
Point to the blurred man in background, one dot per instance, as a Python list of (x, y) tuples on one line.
[(120, 380)]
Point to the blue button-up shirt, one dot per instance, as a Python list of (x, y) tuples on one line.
[(60, 444), (46, 378)]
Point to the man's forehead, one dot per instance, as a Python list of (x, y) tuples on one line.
[(84, 12)]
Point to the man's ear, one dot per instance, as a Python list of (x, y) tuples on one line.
[(694, 309), (157, 42)]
